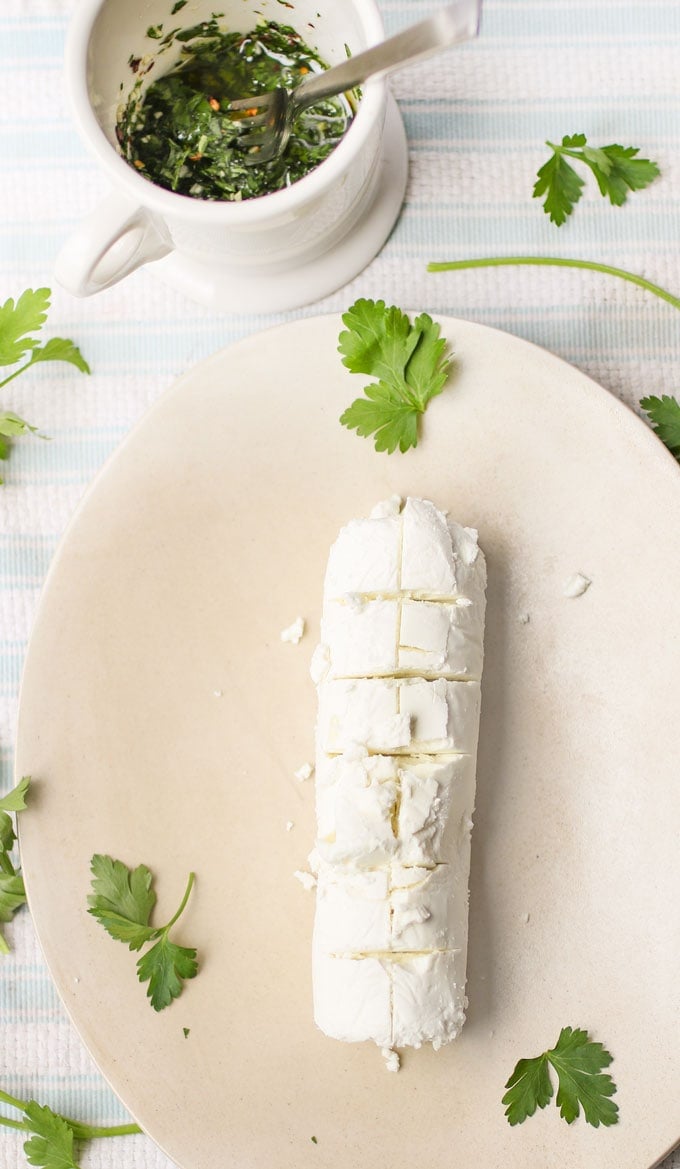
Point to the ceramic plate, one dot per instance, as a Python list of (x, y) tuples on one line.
[(163, 718)]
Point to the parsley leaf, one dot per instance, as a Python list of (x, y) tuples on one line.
[(15, 801), (408, 362), (51, 1145), (11, 425), (617, 170), (164, 967), (562, 187), (578, 1062), (12, 895), (18, 321), (122, 900), (12, 891), (664, 414), (59, 349), (530, 1088)]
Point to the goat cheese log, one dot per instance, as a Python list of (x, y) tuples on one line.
[(398, 673)]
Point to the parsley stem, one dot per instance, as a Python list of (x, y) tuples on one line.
[(82, 1132), (16, 373), (180, 911), (5, 1120), (5, 1098), (87, 1132), (577, 154), (555, 262)]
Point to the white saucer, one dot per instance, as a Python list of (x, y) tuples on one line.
[(226, 289)]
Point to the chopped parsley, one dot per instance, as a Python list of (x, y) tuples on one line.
[(180, 134)]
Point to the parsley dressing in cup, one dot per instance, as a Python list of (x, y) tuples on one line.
[(273, 252)]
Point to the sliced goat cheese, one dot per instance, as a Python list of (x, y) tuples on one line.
[(373, 809), (356, 806), (384, 638), (352, 998), (365, 558), (352, 912), (407, 715), (398, 674), (434, 817), (428, 998), (440, 638), (439, 557)]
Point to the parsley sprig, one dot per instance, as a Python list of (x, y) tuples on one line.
[(12, 891), (617, 170), (578, 1063), (409, 362), (18, 323), (52, 1137), (122, 900)]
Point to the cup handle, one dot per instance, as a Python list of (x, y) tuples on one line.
[(114, 240)]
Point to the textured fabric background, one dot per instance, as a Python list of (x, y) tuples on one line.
[(476, 120)]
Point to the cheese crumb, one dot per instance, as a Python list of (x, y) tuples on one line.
[(576, 585), (387, 507), (307, 880), (304, 772), (290, 824), (294, 632), (391, 1059)]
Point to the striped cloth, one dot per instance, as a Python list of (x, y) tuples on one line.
[(476, 119)]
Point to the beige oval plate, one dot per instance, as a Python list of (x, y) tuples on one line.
[(162, 719)]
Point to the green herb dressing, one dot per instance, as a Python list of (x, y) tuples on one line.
[(179, 134)]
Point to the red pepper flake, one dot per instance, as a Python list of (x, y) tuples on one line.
[(195, 157), (139, 164), (304, 69), (213, 103)]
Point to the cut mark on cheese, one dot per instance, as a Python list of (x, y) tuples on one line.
[(398, 957), (407, 672), (405, 595)]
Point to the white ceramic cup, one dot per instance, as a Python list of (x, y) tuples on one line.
[(275, 251)]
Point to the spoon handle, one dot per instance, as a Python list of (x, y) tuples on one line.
[(457, 22)]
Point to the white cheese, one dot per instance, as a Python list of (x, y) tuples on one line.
[(305, 771), (352, 998), (428, 999), (391, 1059), (356, 802), (362, 639), (293, 633), (378, 637), (398, 674), (373, 809), (439, 557), (407, 715), (576, 585), (352, 912), (365, 558)]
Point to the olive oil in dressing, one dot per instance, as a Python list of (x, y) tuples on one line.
[(179, 134)]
